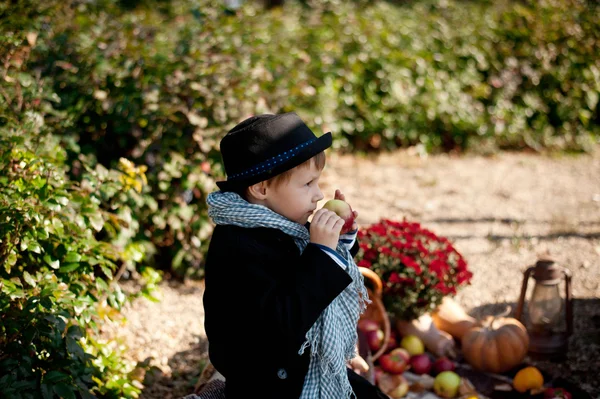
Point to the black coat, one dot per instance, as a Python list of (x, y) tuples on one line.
[(261, 298)]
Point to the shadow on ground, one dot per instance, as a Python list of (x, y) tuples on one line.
[(186, 367)]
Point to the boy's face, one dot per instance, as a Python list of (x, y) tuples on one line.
[(297, 198)]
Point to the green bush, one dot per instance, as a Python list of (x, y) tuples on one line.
[(63, 243), (161, 84), (56, 276), (93, 88)]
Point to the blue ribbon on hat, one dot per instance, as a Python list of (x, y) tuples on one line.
[(271, 162)]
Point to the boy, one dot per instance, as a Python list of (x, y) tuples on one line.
[(282, 296)]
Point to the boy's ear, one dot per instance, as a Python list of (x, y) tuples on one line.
[(258, 190)]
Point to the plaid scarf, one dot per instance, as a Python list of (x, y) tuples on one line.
[(333, 336)]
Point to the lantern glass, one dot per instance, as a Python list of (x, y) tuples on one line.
[(545, 307)]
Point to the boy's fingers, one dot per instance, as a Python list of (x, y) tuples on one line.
[(338, 224), (333, 219), (319, 215), (324, 216)]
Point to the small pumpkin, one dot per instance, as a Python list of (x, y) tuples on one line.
[(449, 316), (495, 344)]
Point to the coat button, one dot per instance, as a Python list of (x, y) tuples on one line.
[(282, 374)]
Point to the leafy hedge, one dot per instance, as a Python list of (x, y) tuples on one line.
[(161, 85), (55, 280), (63, 243), (111, 112)]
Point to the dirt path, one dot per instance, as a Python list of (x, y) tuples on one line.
[(500, 212)]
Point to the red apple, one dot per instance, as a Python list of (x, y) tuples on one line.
[(375, 339), (365, 325), (420, 364), (443, 364), (395, 362), (392, 342), (557, 393), (343, 210)]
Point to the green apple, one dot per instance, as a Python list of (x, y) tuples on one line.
[(413, 345), (343, 210), (446, 384)]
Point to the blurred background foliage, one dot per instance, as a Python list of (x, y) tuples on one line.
[(111, 112)]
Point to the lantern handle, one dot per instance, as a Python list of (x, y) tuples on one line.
[(569, 300), (519, 311)]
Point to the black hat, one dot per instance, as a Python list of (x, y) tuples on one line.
[(264, 146)]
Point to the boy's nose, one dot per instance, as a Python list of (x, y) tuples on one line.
[(319, 195)]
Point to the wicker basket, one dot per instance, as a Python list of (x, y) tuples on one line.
[(376, 311)]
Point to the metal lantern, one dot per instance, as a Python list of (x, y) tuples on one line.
[(546, 309)]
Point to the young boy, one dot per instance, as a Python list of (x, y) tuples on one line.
[(282, 296)]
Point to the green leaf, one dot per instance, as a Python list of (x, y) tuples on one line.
[(10, 261), (74, 348), (46, 391), (72, 257), (47, 303), (592, 99), (33, 246), (64, 391), (106, 270), (29, 279), (62, 200), (96, 221), (51, 261), (68, 267), (75, 332), (23, 385), (54, 376)]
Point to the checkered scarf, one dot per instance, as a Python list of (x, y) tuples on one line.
[(333, 336)]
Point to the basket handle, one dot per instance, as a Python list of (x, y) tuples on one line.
[(373, 278)]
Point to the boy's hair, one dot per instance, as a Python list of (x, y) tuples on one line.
[(318, 160), (282, 178)]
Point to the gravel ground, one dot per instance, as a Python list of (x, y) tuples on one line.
[(500, 212)]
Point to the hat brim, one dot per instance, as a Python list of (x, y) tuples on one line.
[(320, 144)]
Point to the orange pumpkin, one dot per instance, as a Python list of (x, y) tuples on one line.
[(449, 316), (496, 344)]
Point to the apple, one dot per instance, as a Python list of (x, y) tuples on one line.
[(400, 390), (413, 345), (394, 386), (365, 325), (420, 364), (392, 342), (443, 364), (446, 384), (557, 393), (395, 362), (343, 210), (375, 339)]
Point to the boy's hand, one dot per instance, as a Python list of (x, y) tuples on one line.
[(325, 228), (340, 196), (359, 365)]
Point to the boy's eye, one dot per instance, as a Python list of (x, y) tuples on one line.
[(308, 184)]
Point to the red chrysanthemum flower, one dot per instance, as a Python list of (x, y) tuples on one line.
[(417, 267)]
